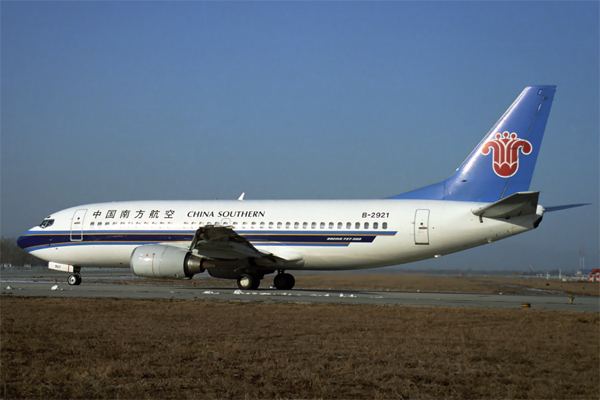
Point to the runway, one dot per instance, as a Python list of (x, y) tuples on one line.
[(40, 283)]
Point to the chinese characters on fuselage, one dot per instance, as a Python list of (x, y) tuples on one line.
[(168, 214)]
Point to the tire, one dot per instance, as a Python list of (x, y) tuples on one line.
[(74, 279), (248, 282), (279, 281), (290, 281), (284, 281)]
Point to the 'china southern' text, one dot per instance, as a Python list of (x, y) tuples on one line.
[(226, 214)]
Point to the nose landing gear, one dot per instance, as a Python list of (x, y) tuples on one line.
[(74, 279)]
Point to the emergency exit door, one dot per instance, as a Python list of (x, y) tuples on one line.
[(422, 227)]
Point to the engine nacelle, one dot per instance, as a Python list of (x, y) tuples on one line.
[(159, 261)]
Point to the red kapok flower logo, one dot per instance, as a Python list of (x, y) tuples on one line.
[(506, 152)]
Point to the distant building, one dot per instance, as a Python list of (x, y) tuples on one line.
[(584, 272)]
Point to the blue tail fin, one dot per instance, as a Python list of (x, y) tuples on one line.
[(503, 162)]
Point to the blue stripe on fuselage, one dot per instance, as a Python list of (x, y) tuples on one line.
[(34, 241)]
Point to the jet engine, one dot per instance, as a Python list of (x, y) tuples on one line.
[(160, 261)]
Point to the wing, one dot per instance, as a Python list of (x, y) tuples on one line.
[(222, 242)]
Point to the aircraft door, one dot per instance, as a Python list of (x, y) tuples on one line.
[(422, 227), (77, 225)]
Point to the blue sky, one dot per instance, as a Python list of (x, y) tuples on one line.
[(106, 101)]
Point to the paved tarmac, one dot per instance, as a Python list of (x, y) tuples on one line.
[(40, 283)]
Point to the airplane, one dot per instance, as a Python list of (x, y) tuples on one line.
[(486, 199)]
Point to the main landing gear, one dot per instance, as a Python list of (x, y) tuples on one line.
[(282, 281), (74, 279), (248, 282)]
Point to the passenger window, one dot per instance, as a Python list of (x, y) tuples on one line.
[(287, 225), (357, 225), (253, 225), (322, 225), (304, 225), (384, 225), (348, 225), (366, 225), (262, 225), (270, 225), (91, 224), (340, 225), (313, 225), (296, 225), (331, 225), (99, 223), (375, 225), (279, 225), (244, 225)]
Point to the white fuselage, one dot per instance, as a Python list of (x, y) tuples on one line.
[(324, 234)]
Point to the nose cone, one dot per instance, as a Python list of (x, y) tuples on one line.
[(23, 241)]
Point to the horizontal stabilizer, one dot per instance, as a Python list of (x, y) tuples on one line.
[(521, 203), (565, 207)]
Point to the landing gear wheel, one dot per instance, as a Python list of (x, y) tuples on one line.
[(284, 281), (74, 279), (248, 282)]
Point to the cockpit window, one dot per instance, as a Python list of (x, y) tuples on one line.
[(46, 223)]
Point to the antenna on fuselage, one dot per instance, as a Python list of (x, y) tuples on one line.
[(241, 198)]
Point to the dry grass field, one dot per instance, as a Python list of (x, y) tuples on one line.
[(59, 348), (407, 282), (447, 284)]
